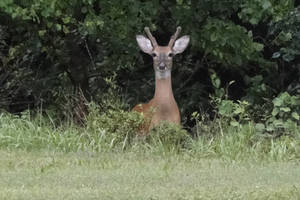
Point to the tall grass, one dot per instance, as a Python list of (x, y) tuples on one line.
[(117, 130), (244, 142)]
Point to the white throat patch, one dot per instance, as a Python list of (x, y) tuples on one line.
[(162, 74)]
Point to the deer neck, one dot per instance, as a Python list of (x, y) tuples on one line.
[(163, 86)]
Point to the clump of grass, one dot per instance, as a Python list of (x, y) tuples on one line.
[(103, 131), (166, 138), (220, 140), (113, 127), (30, 133)]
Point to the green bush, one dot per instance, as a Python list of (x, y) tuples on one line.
[(284, 118), (168, 136), (242, 54), (113, 126)]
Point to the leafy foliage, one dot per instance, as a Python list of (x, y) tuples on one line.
[(284, 117), (287, 33), (169, 136), (115, 127), (242, 55), (222, 40)]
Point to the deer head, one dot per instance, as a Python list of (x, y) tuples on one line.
[(162, 55)]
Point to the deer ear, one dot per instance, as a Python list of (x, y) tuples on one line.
[(181, 44), (144, 44)]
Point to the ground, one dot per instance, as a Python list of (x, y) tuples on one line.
[(133, 175)]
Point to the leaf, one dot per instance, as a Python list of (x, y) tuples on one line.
[(4, 3), (288, 57), (58, 27), (278, 123), (275, 111), (266, 4), (295, 115), (253, 21), (217, 83), (270, 128), (179, 2), (215, 80), (66, 30), (260, 127), (84, 10), (250, 34), (258, 46), (277, 101), (234, 123), (285, 109), (66, 20), (239, 110), (213, 37), (289, 124), (276, 55), (226, 108), (42, 33), (284, 37)]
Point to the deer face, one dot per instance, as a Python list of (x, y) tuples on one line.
[(162, 55), (162, 58)]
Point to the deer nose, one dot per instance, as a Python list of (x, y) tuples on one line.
[(162, 66)]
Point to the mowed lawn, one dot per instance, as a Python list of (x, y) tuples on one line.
[(49, 175)]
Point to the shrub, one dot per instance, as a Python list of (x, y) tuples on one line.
[(113, 126), (169, 135), (284, 118)]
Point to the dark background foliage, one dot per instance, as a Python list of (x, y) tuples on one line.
[(52, 50)]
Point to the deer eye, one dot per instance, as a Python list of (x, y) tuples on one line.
[(170, 54), (153, 55)]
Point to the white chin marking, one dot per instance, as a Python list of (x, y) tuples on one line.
[(162, 74)]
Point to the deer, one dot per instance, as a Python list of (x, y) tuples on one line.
[(162, 107)]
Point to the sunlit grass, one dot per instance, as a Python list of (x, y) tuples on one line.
[(85, 175), (41, 133), (40, 159)]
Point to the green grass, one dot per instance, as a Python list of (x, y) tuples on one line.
[(49, 175), (42, 160), (41, 133)]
